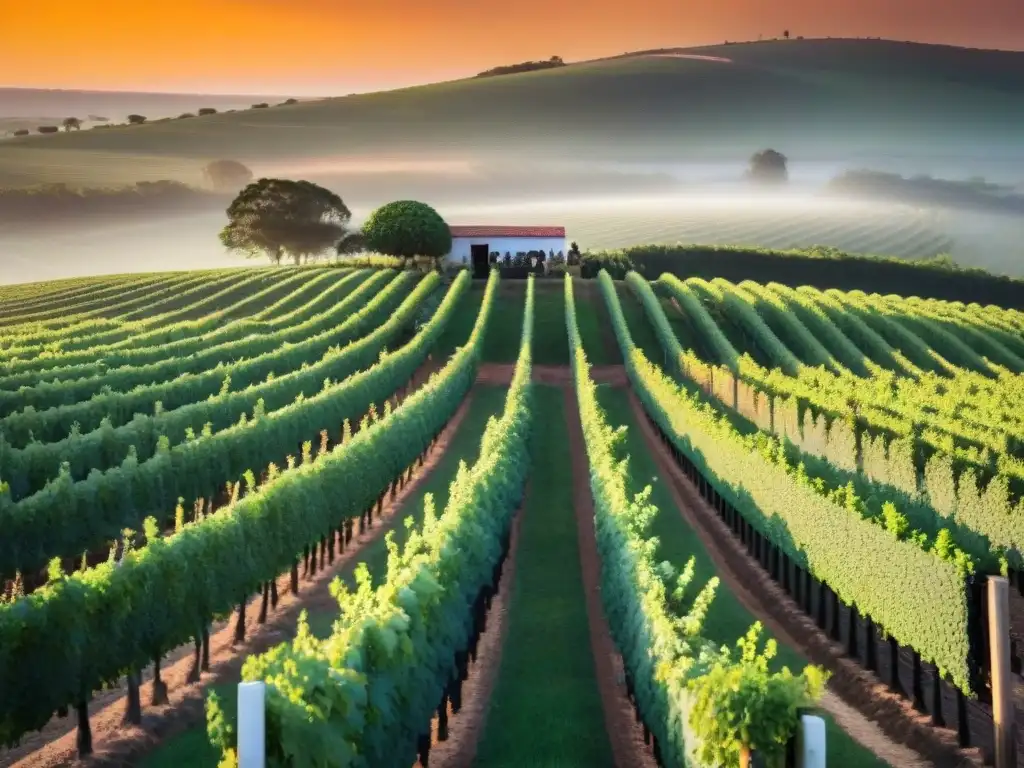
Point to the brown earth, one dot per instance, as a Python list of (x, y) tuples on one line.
[(115, 744), (555, 375), (871, 714)]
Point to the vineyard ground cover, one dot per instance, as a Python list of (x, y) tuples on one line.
[(316, 284), (463, 444), (229, 453), (20, 297), (729, 619), (132, 301), (165, 343), (175, 735), (545, 708), (187, 354), (31, 342), (91, 333), (191, 717), (103, 303), (183, 300), (55, 423)]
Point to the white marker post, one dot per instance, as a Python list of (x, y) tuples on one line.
[(252, 724), (812, 742)]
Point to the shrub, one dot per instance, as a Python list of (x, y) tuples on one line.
[(207, 111), (524, 66), (21, 132), (136, 119), (47, 129), (617, 264), (185, 115), (261, 105), (407, 228), (288, 102)]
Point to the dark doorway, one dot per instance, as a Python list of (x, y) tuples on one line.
[(479, 255)]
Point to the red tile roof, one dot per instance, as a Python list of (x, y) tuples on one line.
[(475, 231)]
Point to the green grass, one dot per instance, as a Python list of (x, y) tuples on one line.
[(550, 342), (545, 709), (550, 345), (505, 326), (595, 330), (728, 619)]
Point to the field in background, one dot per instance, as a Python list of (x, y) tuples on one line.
[(190, 242), (811, 99)]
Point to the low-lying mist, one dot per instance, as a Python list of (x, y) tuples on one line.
[(601, 206)]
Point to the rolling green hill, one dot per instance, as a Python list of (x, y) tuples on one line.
[(826, 99)]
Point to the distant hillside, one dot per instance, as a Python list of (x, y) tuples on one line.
[(811, 99), (30, 107)]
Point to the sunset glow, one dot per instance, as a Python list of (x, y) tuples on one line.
[(337, 46)]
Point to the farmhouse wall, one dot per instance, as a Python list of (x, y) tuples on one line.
[(460, 246)]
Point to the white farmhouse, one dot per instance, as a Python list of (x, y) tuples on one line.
[(473, 245)]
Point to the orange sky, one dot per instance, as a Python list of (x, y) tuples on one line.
[(313, 47)]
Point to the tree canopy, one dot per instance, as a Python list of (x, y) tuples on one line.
[(407, 228), (279, 217), (72, 122), (227, 175), (351, 242), (769, 166)]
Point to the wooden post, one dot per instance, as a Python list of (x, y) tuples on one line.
[(1002, 685)]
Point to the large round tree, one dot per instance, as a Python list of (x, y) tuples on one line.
[(407, 228), (279, 217)]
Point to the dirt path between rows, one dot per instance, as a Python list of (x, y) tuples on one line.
[(115, 744), (554, 375), (895, 732), (466, 728), (624, 733)]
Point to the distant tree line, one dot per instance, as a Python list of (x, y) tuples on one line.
[(60, 202), (974, 194), (75, 123), (299, 221), (525, 66)]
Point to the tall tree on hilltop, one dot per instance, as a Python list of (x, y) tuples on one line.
[(769, 166), (72, 122), (281, 217)]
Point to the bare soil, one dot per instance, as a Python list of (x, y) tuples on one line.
[(555, 375), (116, 744), (874, 716)]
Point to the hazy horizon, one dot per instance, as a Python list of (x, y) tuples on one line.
[(335, 90), (321, 47)]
